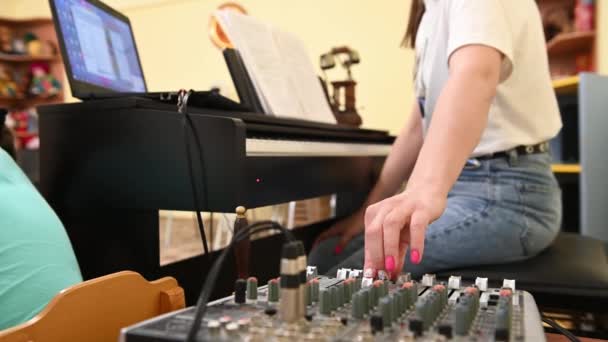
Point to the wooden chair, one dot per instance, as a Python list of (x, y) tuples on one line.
[(97, 309)]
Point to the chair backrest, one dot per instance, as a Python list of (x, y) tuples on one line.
[(97, 309)]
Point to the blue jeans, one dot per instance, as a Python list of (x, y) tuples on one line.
[(499, 211)]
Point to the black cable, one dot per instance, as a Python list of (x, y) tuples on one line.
[(182, 106), (561, 329), (201, 305)]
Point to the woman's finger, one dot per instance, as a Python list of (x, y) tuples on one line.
[(374, 250), (404, 240), (418, 223), (392, 226)]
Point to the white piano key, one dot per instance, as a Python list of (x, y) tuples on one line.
[(292, 148)]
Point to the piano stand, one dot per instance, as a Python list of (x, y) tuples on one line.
[(109, 166)]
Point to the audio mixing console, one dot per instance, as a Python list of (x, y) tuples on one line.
[(351, 308)]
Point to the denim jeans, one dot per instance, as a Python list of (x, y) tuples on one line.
[(499, 211)]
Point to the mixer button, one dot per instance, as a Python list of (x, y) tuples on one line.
[(428, 280), (509, 283), (454, 282), (481, 283)]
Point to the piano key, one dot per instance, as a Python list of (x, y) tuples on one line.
[(256, 147)]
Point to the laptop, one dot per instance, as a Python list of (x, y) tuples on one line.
[(102, 61)]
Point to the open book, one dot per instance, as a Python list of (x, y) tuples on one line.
[(278, 65)]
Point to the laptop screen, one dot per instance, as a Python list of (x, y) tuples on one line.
[(98, 48)]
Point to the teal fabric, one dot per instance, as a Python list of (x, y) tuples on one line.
[(36, 257)]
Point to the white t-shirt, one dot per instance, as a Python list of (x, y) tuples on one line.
[(524, 111)]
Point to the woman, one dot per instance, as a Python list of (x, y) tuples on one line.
[(36, 257), (480, 189)]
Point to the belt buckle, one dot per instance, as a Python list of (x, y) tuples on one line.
[(472, 164)]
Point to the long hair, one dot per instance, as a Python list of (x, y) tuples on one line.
[(417, 10)]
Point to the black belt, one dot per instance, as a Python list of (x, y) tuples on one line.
[(518, 150)]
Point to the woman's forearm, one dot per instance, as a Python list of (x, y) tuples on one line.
[(401, 160), (458, 122)]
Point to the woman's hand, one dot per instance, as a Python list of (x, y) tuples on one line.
[(346, 228), (396, 223)]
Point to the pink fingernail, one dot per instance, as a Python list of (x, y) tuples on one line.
[(415, 256), (389, 263), (338, 250), (368, 273)]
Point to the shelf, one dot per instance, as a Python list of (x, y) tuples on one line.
[(27, 102), (26, 22), (566, 85), (566, 168), (571, 43), (27, 59)]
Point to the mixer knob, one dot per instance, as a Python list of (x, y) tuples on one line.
[(416, 326), (252, 288), (308, 293), (445, 330), (394, 307), (461, 320), (314, 290), (366, 300), (376, 323), (357, 307), (423, 310), (244, 324), (213, 327), (240, 289), (349, 286), (503, 323), (325, 302), (454, 282), (270, 311), (339, 295), (232, 329), (428, 280), (273, 290), (481, 283), (386, 309), (509, 283)]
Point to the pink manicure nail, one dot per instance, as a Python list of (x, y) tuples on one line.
[(389, 263), (338, 250), (368, 273), (415, 256)]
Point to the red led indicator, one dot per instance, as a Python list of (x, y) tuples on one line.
[(257, 180)]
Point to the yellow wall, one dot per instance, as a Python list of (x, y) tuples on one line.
[(176, 52)]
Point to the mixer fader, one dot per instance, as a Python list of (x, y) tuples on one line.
[(352, 308)]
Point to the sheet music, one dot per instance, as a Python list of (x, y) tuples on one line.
[(279, 68)]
